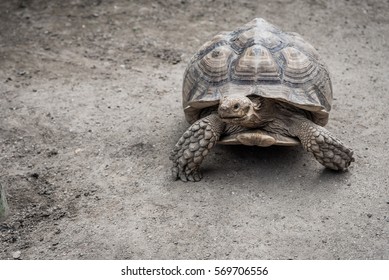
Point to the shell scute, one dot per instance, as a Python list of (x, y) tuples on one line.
[(256, 64), (215, 65), (299, 69)]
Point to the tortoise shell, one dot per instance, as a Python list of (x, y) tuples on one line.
[(258, 59)]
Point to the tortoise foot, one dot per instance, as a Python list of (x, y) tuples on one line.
[(327, 149), (193, 146)]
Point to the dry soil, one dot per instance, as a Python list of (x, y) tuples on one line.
[(90, 108)]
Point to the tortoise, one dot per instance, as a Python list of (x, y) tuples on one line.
[(256, 86)]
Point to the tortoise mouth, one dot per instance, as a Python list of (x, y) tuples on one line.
[(233, 118)]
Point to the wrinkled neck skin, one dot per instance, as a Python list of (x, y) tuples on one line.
[(258, 112), (253, 112), (284, 118)]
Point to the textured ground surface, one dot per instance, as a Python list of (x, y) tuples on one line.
[(90, 108)]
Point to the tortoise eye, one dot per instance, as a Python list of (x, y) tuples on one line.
[(257, 103), (236, 106)]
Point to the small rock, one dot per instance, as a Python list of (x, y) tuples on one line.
[(52, 153), (16, 255), (34, 175), (369, 215)]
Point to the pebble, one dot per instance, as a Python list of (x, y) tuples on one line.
[(16, 255)]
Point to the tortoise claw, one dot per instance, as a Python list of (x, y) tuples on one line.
[(183, 177)]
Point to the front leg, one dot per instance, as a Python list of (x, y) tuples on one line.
[(326, 148), (193, 146)]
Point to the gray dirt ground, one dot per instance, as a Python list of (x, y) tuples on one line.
[(90, 100)]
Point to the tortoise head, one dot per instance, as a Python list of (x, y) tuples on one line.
[(240, 110)]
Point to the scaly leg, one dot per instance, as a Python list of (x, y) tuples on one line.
[(193, 146), (326, 148)]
